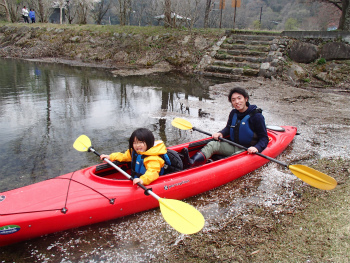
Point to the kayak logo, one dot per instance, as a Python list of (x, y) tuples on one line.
[(167, 187), (2, 198), (10, 229)]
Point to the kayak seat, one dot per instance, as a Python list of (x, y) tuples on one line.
[(217, 157), (196, 146), (105, 168), (173, 162), (193, 147), (185, 158)]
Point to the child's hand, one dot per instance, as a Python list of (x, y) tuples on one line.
[(137, 180), (103, 156)]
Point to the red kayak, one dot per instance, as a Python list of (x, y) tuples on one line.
[(99, 193)]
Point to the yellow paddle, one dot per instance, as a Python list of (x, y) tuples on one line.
[(307, 174), (181, 216)]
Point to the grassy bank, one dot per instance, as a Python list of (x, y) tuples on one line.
[(320, 232), (111, 45), (314, 227)]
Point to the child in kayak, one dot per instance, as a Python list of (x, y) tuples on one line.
[(144, 155)]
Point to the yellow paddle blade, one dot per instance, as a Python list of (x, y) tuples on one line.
[(82, 143), (313, 177), (181, 124), (181, 216)]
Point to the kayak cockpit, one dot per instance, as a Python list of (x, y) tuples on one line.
[(106, 171)]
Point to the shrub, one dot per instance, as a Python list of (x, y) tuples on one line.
[(321, 61)]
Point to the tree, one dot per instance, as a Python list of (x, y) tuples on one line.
[(43, 9), (83, 8), (99, 10), (344, 22), (189, 10), (256, 25), (153, 8), (208, 8), (11, 10), (291, 24), (70, 11), (124, 10), (138, 10), (344, 7), (167, 13)]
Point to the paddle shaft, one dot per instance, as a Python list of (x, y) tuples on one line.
[(147, 190), (242, 147)]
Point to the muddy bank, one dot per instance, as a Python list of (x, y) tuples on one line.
[(282, 219), (128, 49)]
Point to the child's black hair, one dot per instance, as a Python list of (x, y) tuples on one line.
[(143, 135)]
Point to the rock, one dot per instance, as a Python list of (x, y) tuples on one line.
[(160, 67), (120, 56), (335, 50), (302, 52), (325, 76), (274, 47), (202, 113), (201, 43), (185, 40), (75, 39), (296, 73)]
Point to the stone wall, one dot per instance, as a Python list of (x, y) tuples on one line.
[(305, 47), (322, 35)]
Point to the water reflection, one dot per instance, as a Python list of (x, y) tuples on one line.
[(45, 107)]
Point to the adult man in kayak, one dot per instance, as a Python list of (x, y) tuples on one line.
[(245, 126)]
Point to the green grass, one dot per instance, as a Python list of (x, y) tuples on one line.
[(321, 231), (257, 32), (145, 30)]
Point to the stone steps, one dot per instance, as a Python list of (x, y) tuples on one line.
[(248, 42), (233, 71), (225, 76), (258, 58), (240, 56), (245, 48), (236, 64)]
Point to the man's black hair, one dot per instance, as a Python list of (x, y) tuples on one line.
[(241, 91)]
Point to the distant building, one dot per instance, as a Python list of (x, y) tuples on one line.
[(55, 16), (178, 19), (331, 27)]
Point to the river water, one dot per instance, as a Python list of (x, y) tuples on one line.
[(45, 107)]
